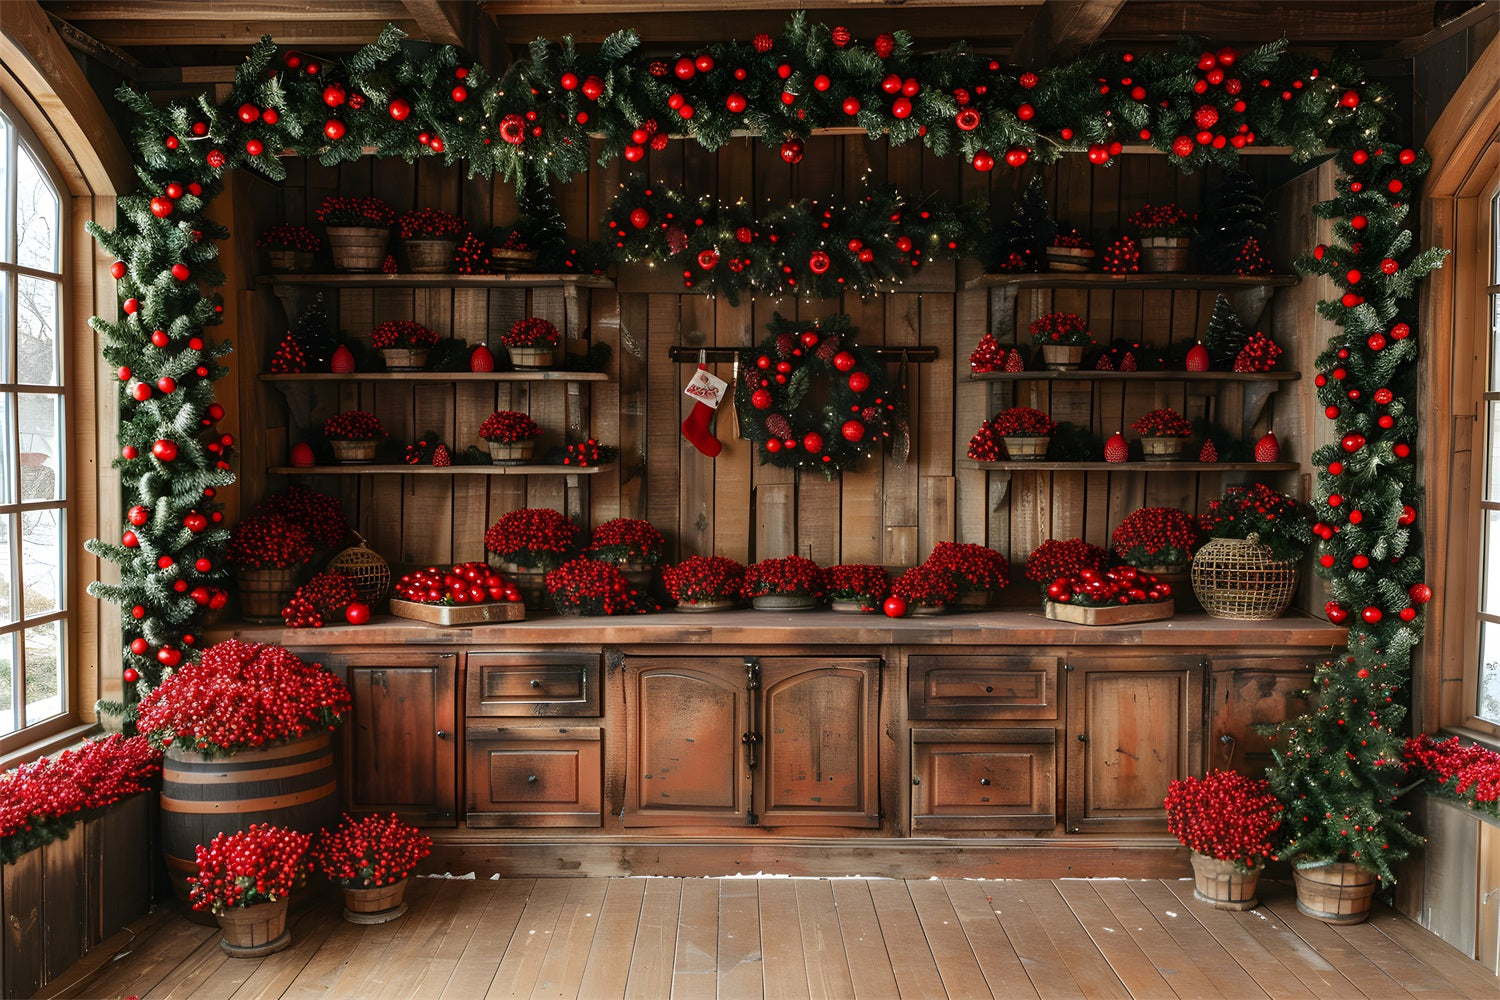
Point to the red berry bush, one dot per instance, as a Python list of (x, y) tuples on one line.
[(1468, 774), (430, 224), (591, 587), (793, 575), (370, 852), (926, 585), (258, 865), (398, 333), (40, 800), (508, 427), (1022, 420), (1156, 536), (317, 602), (973, 567), (1165, 422), (353, 425), (530, 332), (1063, 328), (1163, 220), (536, 537), (1225, 816), (858, 582), (268, 541), (342, 210), (701, 579), (287, 236), (1053, 559), (627, 539)]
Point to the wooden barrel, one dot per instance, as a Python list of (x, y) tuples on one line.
[(291, 784)]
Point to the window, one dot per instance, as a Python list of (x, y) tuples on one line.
[(1488, 707), (34, 541)]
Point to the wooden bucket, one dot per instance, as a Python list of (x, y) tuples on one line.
[(1164, 254), (1062, 357), (293, 261), (254, 931), (430, 256), (354, 452), (1162, 449), (532, 358), (1338, 893), (404, 359), (1026, 447), (264, 592), (1221, 886), (378, 905), (291, 784), (511, 452), (357, 248)]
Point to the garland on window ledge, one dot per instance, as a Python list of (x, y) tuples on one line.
[(810, 249), (541, 118)]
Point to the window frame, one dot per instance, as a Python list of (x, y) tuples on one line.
[(68, 443)]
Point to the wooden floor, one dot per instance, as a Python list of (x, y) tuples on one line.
[(780, 937)]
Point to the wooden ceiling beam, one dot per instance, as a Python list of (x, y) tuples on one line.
[(227, 10), (439, 22), (332, 31), (828, 12), (1303, 23), (1063, 28)]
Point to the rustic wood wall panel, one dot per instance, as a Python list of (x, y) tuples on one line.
[(891, 511)]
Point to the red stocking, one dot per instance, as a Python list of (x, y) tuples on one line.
[(697, 428)]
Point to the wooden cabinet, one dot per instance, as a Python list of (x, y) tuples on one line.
[(1250, 691), (400, 751), (534, 777), (987, 780), (772, 741), (533, 684), (945, 686), (1132, 726)]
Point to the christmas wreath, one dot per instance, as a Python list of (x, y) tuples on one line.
[(811, 398)]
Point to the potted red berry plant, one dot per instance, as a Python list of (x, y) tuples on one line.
[(370, 859), (430, 238), (1157, 539), (857, 588), (1064, 337), (289, 247), (354, 435), (1026, 432), (1070, 250), (265, 552), (1229, 822), (524, 544), (789, 584), (532, 343), (585, 586), (1053, 559), (511, 436), (978, 571), (926, 589), (1163, 433), (404, 344), (705, 583), (1165, 232), (631, 545), (1247, 569), (358, 231), (244, 878), (511, 251)]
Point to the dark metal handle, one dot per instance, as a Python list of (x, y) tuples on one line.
[(442, 734), (531, 779)]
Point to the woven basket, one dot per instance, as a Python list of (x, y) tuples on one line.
[(368, 572), (430, 256), (1069, 258), (509, 261), (357, 248), (354, 452), (1237, 578), (1162, 449)]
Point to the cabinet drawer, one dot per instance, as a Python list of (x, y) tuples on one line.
[(533, 684), (534, 777), (983, 779), (982, 687)]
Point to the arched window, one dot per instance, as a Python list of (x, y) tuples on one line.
[(34, 491)]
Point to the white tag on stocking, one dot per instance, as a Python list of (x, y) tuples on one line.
[(705, 387)]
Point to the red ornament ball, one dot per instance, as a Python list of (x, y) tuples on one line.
[(1371, 614), (791, 151), (357, 613), (1017, 157), (760, 399), (168, 656), (819, 262), (1419, 593), (130, 675), (1336, 612), (853, 430), (139, 646), (894, 607), (161, 207), (181, 272), (399, 109), (130, 541), (813, 442), (333, 129), (844, 361), (131, 305), (164, 449), (851, 106), (640, 218), (858, 382), (983, 161)]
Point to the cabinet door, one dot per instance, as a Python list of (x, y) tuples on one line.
[(983, 779), (819, 745), (533, 777), (400, 754), (686, 762), (1249, 691), (1133, 726)]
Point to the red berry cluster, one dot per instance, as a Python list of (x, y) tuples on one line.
[(792, 575), (1163, 220), (533, 331), (1165, 422), (1072, 239), (430, 224), (593, 587), (1022, 420), (1226, 816), (287, 236), (1468, 773), (1156, 536), (925, 584), (241, 695), (320, 515), (699, 579), (320, 600), (289, 358), (268, 541), (973, 567), (257, 865), (1250, 261), (370, 852), (983, 446), (1278, 520), (508, 427), (532, 536), (588, 453), (41, 799), (988, 356), (353, 425), (1053, 559), (1116, 585), (1122, 256), (627, 539), (858, 582), (472, 256), (464, 583), (516, 241), (1258, 355), (340, 210), (1061, 328), (402, 333)]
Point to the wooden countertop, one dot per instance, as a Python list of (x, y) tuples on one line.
[(752, 630)]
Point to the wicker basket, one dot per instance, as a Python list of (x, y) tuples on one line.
[(430, 256), (1237, 578), (357, 248), (1162, 449), (510, 261), (368, 572)]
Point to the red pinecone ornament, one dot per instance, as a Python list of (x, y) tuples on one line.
[(1015, 361), (389, 267), (982, 446), (1250, 260), (1115, 449), (1104, 364), (1206, 117), (1197, 359), (1208, 453), (1127, 363), (1267, 449), (440, 455), (342, 361), (763, 42), (987, 357), (841, 36), (482, 360)]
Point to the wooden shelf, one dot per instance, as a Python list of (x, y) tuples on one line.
[(373, 280), (1131, 282), (437, 470), (1131, 466), (437, 377), (1086, 375)]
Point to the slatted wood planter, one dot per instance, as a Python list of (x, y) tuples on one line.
[(62, 899)]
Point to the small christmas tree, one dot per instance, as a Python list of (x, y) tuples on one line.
[(1236, 214), (1029, 230), (540, 223), (316, 337), (1225, 336)]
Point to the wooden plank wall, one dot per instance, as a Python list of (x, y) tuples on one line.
[(891, 512)]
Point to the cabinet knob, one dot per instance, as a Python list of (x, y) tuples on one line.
[(535, 683), (984, 781), (531, 779), (1082, 738), (916, 780), (442, 734)]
